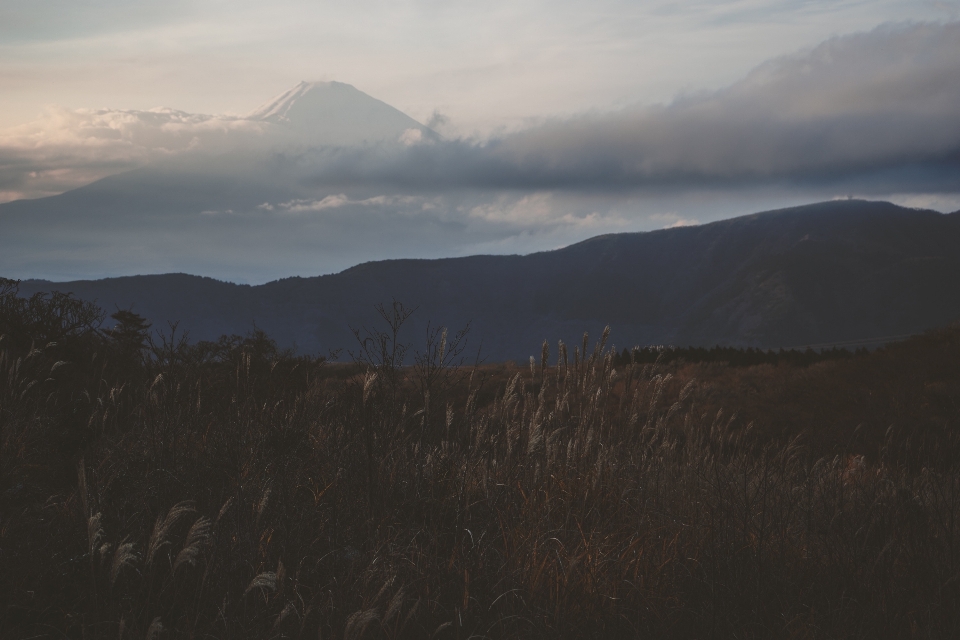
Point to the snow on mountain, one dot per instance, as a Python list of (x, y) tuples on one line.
[(335, 113)]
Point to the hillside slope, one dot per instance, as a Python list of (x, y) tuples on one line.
[(828, 272)]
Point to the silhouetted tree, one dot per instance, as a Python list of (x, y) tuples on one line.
[(131, 334)]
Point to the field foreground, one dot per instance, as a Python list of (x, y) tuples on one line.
[(158, 489)]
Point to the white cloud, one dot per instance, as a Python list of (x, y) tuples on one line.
[(341, 200), (537, 208), (65, 148), (545, 212), (672, 220), (329, 202), (411, 137)]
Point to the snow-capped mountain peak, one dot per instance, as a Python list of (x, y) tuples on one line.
[(336, 113)]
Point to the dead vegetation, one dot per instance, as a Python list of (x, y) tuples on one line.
[(231, 490)]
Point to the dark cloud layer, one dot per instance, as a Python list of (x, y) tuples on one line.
[(873, 111), (865, 109)]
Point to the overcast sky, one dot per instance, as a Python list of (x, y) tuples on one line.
[(561, 120), (483, 65)]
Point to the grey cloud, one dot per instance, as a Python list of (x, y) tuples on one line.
[(437, 121), (870, 112), (862, 109), (30, 21)]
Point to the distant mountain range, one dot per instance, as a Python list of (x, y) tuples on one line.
[(822, 273)]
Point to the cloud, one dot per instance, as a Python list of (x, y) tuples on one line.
[(411, 137), (67, 148), (672, 220), (305, 205), (24, 21), (541, 212), (329, 202), (875, 109), (872, 112)]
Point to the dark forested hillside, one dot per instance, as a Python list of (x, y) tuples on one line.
[(823, 273), (156, 489)]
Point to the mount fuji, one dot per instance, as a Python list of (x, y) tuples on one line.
[(244, 202), (338, 114)]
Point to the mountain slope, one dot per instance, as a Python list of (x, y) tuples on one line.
[(336, 113), (834, 271), (220, 208)]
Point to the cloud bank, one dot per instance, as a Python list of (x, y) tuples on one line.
[(877, 110), (66, 148)]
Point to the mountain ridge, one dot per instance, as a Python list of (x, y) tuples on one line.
[(821, 273)]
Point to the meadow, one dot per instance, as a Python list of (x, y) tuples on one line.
[(151, 487)]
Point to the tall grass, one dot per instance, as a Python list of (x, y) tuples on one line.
[(258, 496)]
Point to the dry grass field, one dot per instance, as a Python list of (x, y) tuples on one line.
[(162, 489)]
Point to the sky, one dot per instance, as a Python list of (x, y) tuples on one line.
[(483, 65), (560, 120)]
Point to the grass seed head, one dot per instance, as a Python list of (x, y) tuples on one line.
[(164, 526), (358, 622), (156, 628), (198, 539), (94, 533), (266, 581), (124, 556)]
